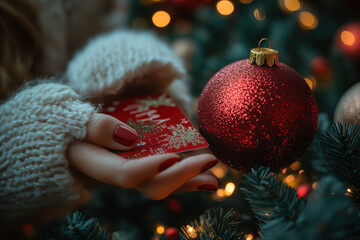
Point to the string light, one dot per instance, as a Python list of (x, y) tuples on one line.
[(229, 189), (225, 7), (315, 185), (246, 1), (249, 237), (291, 5), (348, 38), (191, 231), (349, 190), (284, 170), (307, 20), (160, 229), (259, 14), (301, 172), (161, 19)]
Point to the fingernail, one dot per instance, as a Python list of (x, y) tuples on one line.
[(207, 187), (168, 163), (209, 165), (125, 136)]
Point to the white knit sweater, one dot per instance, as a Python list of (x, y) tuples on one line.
[(39, 123)]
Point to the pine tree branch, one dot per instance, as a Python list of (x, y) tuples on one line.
[(81, 228), (328, 215), (269, 197), (214, 224), (341, 148)]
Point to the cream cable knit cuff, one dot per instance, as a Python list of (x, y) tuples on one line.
[(125, 61), (37, 125)]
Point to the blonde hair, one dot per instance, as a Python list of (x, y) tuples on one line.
[(19, 43)]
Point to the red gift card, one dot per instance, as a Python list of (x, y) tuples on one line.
[(161, 125)]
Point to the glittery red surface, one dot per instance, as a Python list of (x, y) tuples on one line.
[(254, 116)]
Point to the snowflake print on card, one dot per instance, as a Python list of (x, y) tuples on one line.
[(161, 126)]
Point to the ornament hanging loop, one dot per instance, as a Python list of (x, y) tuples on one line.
[(264, 56), (264, 39)]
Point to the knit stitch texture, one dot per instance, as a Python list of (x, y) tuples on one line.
[(37, 125)]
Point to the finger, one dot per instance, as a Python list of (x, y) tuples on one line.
[(203, 182), (172, 178), (107, 131), (104, 166)]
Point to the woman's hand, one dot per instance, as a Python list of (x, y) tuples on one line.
[(155, 176)]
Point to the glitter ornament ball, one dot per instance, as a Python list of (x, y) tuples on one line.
[(257, 111)]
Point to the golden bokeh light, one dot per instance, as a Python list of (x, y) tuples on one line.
[(292, 5), (225, 7), (301, 172), (191, 231), (289, 179), (248, 237), (219, 170), (348, 38), (259, 14), (295, 166), (349, 190), (246, 1), (315, 185), (307, 20), (161, 19), (229, 189), (160, 229), (220, 192)]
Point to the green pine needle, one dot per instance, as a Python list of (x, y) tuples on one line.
[(81, 228), (341, 148), (214, 224), (269, 197)]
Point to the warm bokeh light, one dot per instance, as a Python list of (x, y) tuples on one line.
[(249, 237), (284, 170), (220, 192), (301, 172), (161, 19), (259, 14), (225, 7), (246, 1), (292, 5), (315, 185), (311, 81), (348, 38), (295, 166), (219, 170), (191, 231), (307, 20), (349, 190), (289, 179), (160, 229), (229, 189)]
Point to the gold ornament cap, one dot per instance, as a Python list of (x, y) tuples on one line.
[(261, 56)]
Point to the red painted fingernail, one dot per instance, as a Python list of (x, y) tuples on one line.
[(125, 135), (209, 165), (168, 163), (207, 187)]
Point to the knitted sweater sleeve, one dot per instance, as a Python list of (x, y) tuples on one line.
[(37, 125), (124, 62)]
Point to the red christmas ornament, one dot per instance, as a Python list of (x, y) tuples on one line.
[(347, 39), (303, 190), (172, 233), (253, 114)]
